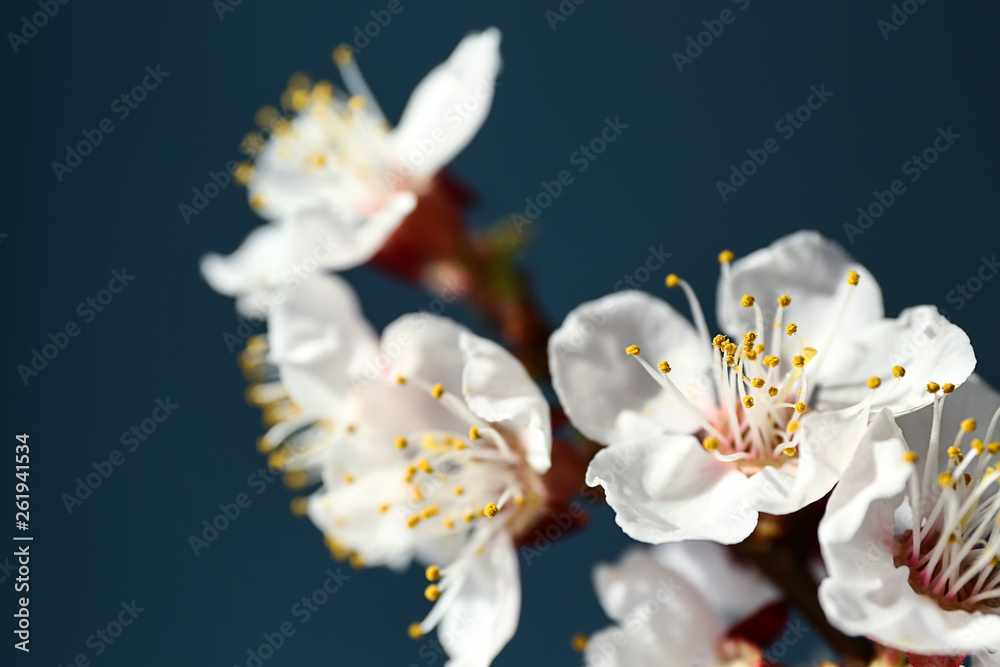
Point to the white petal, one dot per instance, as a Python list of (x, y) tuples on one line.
[(595, 379), (426, 346), (667, 489), (256, 265), (484, 616), (827, 445), (662, 618), (986, 658), (448, 107), (922, 341), (813, 271), (732, 588), (498, 389), (320, 341), (973, 398)]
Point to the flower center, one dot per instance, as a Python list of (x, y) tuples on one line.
[(953, 549), (760, 398)]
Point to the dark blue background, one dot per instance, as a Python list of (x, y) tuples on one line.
[(163, 335)]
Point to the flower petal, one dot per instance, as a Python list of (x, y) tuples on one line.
[(448, 107), (666, 488), (921, 340), (498, 389), (320, 340), (813, 271), (256, 265), (485, 614), (595, 379)]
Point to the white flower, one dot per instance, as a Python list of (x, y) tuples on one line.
[(911, 535), (335, 182), (430, 445), (673, 605), (763, 423)]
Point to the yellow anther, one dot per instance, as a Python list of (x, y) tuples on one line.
[(747, 301), (300, 506), (469, 516), (954, 452), (432, 592), (296, 479), (437, 391), (664, 367), (749, 338), (791, 329), (995, 561), (300, 99), (809, 352), (800, 407), (323, 91), (343, 55), (383, 508), (414, 630), (853, 278), (672, 280), (411, 470), (719, 341), (433, 573), (490, 510), (798, 361), (243, 173), (413, 521), (793, 426), (711, 443), (772, 391), (400, 379), (757, 382), (519, 501), (458, 490), (348, 479), (428, 512), (449, 523), (748, 401), (993, 447), (933, 387), (911, 457), (759, 347), (784, 300), (357, 562), (790, 451), (750, 355), (725, 257), (424, 466), (400, 443), (579, 643), (459, 445), (474, 433), (730, 348), (772, 361), (633, 350), (873, 382), (256, 202), (898, 371), (977, 445), (315, 161), (418, 495), (969, 425), (946, 479)]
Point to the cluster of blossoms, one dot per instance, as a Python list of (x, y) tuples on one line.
[(430, 444)]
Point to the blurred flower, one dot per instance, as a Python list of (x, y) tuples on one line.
[(336, 181), (675, 604), (911, 535), (763, 424), (430, 444)]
